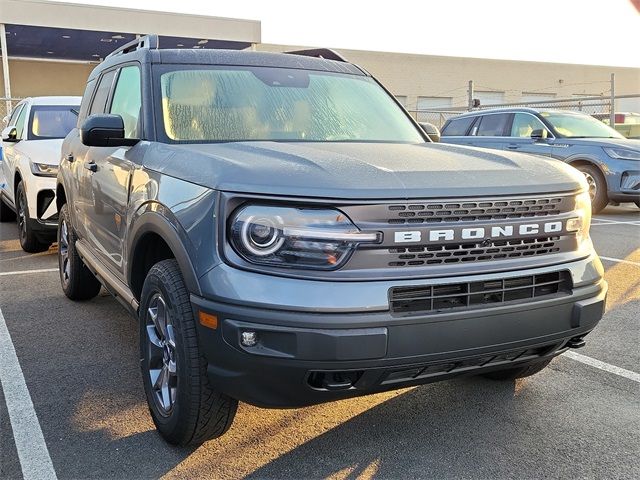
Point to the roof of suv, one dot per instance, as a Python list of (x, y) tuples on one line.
[(516, 109), (53, 100), (229, 57)]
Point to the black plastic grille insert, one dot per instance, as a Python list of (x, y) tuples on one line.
[(435, 298), (474, 210), (473, 252)]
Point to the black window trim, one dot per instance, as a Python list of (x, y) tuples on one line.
[(97, 86)]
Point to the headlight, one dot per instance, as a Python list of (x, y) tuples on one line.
[(295, 237), (582, 221), (44, 170), (622, 153)]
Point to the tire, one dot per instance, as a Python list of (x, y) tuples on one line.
[(518, 372), (597, 187), (78, 283), (29, 241), (6, 214), (184, 407)]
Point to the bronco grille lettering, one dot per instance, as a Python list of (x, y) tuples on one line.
[(477, 233)]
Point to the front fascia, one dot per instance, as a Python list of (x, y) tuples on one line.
[(374, 262)]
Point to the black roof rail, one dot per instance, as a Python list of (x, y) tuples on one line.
[(325, 53), (147, 41)]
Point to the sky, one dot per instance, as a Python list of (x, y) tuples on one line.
[(592, 32)]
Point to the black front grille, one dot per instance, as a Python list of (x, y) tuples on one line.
[(436, 298), (472, 252), (465, 211)]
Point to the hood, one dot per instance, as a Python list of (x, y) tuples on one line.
[(361, 170), (603, 142), (42, 151)]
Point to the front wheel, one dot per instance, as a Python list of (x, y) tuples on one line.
[(78, 283), (518, 372), (29, 241), (597, 187), (184, 407)]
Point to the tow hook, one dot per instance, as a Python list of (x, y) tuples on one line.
[(576, 342)]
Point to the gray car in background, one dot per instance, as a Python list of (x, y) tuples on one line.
[(609, 161)]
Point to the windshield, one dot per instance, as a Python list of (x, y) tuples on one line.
[(260, 103), (52, 121), (577, 125)]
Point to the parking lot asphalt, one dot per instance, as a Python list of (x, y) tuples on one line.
[(80, 366)]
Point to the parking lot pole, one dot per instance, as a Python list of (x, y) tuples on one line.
[(470, 92), (612, 107), (5, 67)]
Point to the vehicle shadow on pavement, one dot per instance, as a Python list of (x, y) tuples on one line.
[(443, 430), (464, 428)]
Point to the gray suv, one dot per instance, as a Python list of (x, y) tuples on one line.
[(609, 161), (285, 234)]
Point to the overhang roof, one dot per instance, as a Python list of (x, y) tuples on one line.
[(64, 31)]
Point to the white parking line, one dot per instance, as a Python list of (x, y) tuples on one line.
[(609, 224), (628, 262), (622, 372), (23, 272), (30, 445), (606, 221)]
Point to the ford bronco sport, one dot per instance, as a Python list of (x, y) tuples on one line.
[(287, 235)]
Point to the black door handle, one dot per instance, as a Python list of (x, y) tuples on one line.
[(91, 166), (513, 147), (69, 157)]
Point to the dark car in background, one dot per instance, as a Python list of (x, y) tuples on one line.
[(609, 161)]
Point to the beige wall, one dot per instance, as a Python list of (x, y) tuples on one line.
[(410, 75), (426, 75), (34, 78)]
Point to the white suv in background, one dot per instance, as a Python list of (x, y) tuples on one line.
[(31, 143)]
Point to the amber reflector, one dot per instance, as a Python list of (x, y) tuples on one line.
[(208, 320)]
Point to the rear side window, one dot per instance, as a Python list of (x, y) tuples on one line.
[(493, 125), (127, 100), (458, 127), (86, 99), (102, 93)]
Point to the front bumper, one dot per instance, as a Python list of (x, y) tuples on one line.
[(623, 178), (308, 357)]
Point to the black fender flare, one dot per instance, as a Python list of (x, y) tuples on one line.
[(152, 221)]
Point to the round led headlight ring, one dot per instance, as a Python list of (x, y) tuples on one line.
[(261, 236)]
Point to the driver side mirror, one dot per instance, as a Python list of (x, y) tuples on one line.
[(539, 134), (10, 134), (431, 130), (104, 130)]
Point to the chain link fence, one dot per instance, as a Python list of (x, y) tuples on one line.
[(6, 107), (598, 107), (435, 117)]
